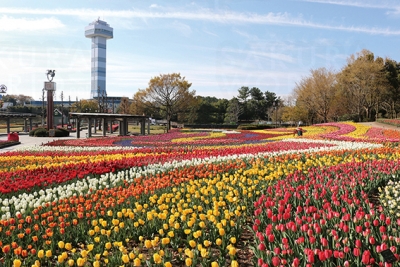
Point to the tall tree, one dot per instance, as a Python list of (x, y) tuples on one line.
[(317, 93), (391, 101), (85, 106), (244, 94), (170, 94), (233, 111), (124, 106), (362, 81)]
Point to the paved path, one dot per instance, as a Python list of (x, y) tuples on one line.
[(381, 125), (27, 141)]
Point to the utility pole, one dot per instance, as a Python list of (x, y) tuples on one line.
[(62, 109), (69, 109)]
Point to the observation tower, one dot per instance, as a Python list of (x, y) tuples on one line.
[(99, 31)]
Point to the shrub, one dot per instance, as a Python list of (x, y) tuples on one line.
[(61, 132), (255, 126), (40, 132)]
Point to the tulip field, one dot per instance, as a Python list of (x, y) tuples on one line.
[(205, 198)]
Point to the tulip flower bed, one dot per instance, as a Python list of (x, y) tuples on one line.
[(325, 217), (189, 200), (5, 143)]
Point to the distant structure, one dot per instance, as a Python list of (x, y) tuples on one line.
[(99, 31)]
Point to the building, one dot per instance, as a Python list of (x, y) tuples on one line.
[(99, 31)]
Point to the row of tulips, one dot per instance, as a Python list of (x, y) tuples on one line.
[(37, 171)]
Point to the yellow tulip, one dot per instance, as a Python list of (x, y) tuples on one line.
[(157, 258), (125, 258), (40, 253), (61, 244), (80, 262), (17, 263), (192, 243), (188, 262), (137, 262), (165, 241)]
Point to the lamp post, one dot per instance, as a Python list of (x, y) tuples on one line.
[(50, 87)]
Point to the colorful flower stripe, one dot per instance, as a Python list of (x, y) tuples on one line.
[(42, 176)]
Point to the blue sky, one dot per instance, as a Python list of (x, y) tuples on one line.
[(218, 46)]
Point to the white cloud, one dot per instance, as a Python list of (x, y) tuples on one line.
[(24, 24), (381, 4), (223, 17)]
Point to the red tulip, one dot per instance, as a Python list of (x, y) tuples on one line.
[(366, 257), (336, 254), (328, 253), (321, 256), (310, 257), (276, 261), (371, 240), (271, 238), (261, 247), (356, 252), (296, 262), (358, 243), (324, 242)]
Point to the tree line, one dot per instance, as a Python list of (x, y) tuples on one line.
[(365, 89)]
